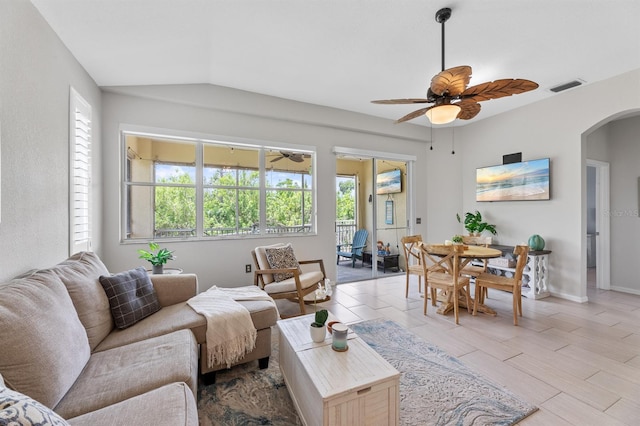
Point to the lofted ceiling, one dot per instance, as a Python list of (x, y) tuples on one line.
[(345, 53)]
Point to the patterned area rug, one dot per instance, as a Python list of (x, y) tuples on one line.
[(246, 395), (435, 388)]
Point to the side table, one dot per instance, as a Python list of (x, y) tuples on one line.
[(168, 271), (384, 261)]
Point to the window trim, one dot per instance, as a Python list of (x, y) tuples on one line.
[(200, 140)]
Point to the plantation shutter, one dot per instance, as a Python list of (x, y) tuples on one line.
[(80, 176)]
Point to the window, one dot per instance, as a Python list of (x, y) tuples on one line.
[(197, 188), (80, 173)]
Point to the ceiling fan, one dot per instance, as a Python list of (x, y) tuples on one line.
[(449, 94), (297, 157)]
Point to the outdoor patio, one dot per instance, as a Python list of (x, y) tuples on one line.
[(345, 273)]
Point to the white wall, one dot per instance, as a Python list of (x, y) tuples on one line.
[(624, 148), (214, 110), (551, 128), (36, 71)]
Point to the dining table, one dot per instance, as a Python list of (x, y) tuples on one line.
[(466, 254)]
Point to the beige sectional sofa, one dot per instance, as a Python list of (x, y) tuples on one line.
[(60, 347)]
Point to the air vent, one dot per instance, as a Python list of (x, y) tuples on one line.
[(566, 86)]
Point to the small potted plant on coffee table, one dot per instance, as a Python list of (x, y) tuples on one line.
[(318, 328)]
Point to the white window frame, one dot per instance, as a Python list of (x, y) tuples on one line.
[(80, 169), (201, 139)]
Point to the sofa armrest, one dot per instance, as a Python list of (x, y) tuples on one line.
[(174, 288)]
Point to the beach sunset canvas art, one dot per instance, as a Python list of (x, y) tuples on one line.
[(527, 180)]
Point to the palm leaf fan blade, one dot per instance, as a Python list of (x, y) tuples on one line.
[(469, 108), (452, 81), (499, 89), (401, 101), (413, 114)]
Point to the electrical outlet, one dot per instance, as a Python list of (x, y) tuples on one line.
[(247, 268), (418, 220)]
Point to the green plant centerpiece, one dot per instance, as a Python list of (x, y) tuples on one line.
[(156, 256), (475, 225), (457, 239)]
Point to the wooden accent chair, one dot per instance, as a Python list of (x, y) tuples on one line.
[(355, 249), (513, 284), (442, 272), (411, 249), (278, 273)]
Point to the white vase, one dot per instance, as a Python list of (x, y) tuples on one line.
[(318, 334)]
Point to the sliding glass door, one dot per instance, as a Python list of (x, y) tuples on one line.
[(372, 193)]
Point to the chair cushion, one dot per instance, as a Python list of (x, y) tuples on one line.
[(18, 409), (263, 263), (44, 344), (307, 279), (131, 296), (281, 258), (80, 274)]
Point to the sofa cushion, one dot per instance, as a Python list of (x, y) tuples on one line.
[(172, 404), (182, 316), (80, 274), (18, 409), (131, 296), (281, 258), (169, 319), (44, 344), (121, 373)]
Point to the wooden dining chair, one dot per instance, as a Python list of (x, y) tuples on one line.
[(411, 249), (475, 270), (510, 284), (470, 269), (442, 272)]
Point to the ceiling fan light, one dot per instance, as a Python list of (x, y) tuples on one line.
[(443, 114)]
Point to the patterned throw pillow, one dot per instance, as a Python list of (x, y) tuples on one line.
[(19, 409), (280, 258), (131, 296)]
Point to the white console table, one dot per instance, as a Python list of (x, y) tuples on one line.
[(535, 277)]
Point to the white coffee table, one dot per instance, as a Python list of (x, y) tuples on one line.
[(356, 387)]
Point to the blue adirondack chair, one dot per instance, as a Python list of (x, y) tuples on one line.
[(354, 250)]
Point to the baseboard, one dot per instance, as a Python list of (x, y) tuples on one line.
[(570, 297), (626, 290)]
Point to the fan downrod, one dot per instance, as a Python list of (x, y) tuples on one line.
[(442, 16)]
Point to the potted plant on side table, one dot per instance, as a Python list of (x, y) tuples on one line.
[(156, 256)]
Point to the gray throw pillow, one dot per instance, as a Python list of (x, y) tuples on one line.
[(131, 296), (281, 258)]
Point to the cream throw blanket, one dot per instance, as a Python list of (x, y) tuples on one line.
[(230, 331)]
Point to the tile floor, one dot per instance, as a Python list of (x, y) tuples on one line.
[(579, 363)]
